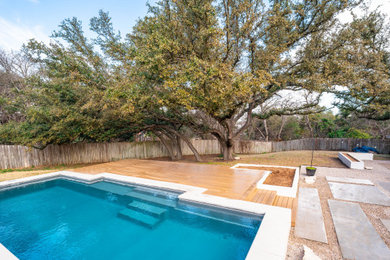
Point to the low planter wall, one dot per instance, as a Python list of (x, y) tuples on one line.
[(363, 156), (353, 164), (280, 190)]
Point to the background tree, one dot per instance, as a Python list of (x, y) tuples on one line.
[(365, 56), (14, 69), (67, 95)]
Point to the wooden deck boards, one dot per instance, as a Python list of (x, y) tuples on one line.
[(218, 180)]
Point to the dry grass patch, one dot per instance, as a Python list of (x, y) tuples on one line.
[(295, 158), (11, 174), (289, 158)]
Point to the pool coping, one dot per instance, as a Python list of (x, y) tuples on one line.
[(270, 241)]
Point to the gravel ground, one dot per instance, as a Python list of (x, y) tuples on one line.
[(380, 172)]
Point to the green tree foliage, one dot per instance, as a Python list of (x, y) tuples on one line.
[(68, 95), (324, 125), (204, 66), (222, 59), (365, 59)]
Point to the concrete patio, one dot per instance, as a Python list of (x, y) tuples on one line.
[(355, 206)]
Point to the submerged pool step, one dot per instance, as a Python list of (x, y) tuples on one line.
[(197, 214), (146, 208), (139, 217), (152, 199), (112, 187)]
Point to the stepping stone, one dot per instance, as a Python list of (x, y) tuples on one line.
[(359, 193), (349, 180), (385, 185), (357, 237), (386, 222), (309, 222), (147, 208), (139, 218)]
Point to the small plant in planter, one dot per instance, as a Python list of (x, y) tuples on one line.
[(310, 170)]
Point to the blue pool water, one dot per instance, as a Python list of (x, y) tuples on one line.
[(61, 219)]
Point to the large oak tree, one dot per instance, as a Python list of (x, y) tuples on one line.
[(222, 59)]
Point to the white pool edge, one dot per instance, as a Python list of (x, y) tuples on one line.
[(280, 190), (5, 254), (270, 241)]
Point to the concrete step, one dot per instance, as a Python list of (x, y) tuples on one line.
[(309, 220), (152, 199), (139, 218), (146, 208)]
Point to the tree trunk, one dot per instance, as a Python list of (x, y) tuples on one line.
[(309, 125), (192, 148), (266, 130), (281, 128), (167, 145), (179, 153), (187, 141), (227, 147)]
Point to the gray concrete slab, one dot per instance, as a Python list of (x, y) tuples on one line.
[(357, 237), (386, 222), (309, 222), (349, 180), (385, 185), (359, 193)]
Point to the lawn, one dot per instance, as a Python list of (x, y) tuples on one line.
[(10, 174), (293, 158), (288, 158)]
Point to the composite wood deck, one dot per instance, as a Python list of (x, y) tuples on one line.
[(218, 180)]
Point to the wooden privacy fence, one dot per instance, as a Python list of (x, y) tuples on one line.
[(328, 144), (16, 156)]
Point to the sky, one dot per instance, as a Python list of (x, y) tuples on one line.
[(21, 20)]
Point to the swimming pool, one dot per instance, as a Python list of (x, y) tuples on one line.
[(63, 219)]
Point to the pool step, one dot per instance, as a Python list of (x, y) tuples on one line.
[(149, 209), (139, 218), (112, 187), (152, 199), (197, 214)]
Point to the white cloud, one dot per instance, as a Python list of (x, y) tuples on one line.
[(13, 35), (34, 1)]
